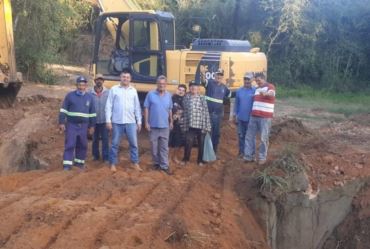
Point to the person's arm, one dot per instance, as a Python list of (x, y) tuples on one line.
[(207, 127), (62, 113), (170, 114), (146, 112), (108, 110), (137, 111), (236, 107), (146, 117), (92, 113)]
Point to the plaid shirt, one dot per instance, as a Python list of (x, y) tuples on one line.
[(196, 113)]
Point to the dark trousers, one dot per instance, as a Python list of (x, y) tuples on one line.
[(100, 133), (189, 141), (75, 145), (216, 119)]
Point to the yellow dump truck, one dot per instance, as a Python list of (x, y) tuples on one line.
[(10, 80), (127, 37)]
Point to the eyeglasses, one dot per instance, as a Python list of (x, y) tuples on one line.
[(247, 79)]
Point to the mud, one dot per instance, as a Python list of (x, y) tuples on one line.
[(198, 207)]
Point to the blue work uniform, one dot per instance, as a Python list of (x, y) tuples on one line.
[(78, 114), (215, 96)]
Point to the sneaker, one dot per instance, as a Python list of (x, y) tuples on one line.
[(113, 168), (66, 168), (183, 163), (157, 167), (201, 164), (168, 171), (261, 162), (137, 167)]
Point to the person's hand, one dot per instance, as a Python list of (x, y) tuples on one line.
[(138, 127), (147, 126), (91, 131), (171, 126), (109, 126), (263, 93), (62, 128)]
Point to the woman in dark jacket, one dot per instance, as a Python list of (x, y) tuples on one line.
[(177, 137)]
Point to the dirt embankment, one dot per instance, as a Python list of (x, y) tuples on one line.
[(198, 207)]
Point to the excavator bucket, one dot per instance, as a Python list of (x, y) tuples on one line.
[(8, 94), (10, 80)]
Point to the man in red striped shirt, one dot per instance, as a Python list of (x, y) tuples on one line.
[(260, 120)]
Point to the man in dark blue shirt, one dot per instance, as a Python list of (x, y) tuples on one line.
[(216, 92), (243, 108), (77, 116)]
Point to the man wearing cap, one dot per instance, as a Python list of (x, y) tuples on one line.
[(260, 120), (123, 117), (243, 108), (76, 118), (196, 122), (100, 94), (216, 93)]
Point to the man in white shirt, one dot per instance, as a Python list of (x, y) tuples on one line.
[(123, 116)]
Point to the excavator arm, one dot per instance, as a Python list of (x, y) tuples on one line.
[(118, 5), (10, 80)]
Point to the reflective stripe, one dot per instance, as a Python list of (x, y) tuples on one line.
[(220, 101), (78, 114), (79, 161), (65, 162)]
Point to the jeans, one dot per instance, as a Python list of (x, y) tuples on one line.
[(131, 132), (189, 141), (242, 131), (100, 133), (257, 125), (216, 119), (159, 141)]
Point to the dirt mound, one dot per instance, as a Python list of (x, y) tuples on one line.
[(289, 130)]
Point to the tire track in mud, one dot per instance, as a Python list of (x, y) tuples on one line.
[(211, 175), (96, 219)]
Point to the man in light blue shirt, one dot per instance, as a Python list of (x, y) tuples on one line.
[(243, 108), (123, 116), (158, 121)]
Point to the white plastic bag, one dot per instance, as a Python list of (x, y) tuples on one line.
[(208, 152)]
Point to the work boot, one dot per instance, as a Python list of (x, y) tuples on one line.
[(137, 167), (113, 168)]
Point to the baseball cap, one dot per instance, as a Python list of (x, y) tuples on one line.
[(193, 83), (220, 71), (99, 76), (248, 76), (81, 79)]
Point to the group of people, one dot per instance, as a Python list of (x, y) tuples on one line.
[(173, 121)]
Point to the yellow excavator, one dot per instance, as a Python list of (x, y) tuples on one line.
[(10, 79), (143, 41)]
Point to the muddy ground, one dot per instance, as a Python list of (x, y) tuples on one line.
[(198, 207)]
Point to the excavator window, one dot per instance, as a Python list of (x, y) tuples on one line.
[(145, 58)]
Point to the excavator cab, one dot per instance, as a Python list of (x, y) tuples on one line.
[(133, 40)]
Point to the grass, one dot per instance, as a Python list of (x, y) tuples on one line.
[(341, 103)]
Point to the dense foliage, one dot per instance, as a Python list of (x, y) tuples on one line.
[(320, 43), (43, 29)]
